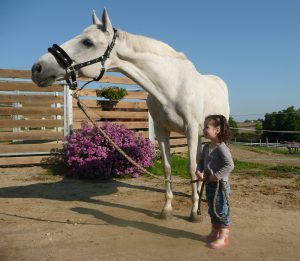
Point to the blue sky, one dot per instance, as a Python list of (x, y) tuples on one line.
[(254, 45)]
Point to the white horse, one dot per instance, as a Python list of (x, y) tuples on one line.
[(179, 97)]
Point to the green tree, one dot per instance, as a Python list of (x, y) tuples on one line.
[(233, 125), (258, 128), (284, 120)]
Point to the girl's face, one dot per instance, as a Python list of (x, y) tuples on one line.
[(210, 131)]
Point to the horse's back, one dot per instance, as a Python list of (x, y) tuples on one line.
[(217, 100), (217, 84)]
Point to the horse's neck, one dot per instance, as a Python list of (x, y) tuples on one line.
[(150, 68)]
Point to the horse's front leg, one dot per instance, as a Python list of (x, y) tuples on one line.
[(194, 148), (164, 143)]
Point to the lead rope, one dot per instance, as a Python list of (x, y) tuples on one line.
[(215, 198)]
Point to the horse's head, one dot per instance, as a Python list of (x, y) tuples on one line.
[(90, 44)]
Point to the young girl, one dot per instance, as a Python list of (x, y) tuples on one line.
[(215, 166)]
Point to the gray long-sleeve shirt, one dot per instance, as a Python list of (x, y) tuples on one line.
[(218, 159)]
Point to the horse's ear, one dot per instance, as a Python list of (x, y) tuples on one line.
[(106, 22), (95, 18)]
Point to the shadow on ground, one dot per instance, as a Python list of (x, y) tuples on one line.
[(91, 191)]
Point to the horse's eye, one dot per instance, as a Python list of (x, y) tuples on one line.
[(88, 42)]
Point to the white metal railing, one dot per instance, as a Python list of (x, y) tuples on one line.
[(267, 144), (68, 110)]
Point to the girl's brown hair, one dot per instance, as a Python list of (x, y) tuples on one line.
[(220, 121)]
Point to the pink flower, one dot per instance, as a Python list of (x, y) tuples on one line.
[(89, 154)]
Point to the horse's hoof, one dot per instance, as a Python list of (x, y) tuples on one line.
[(194, 217), (166, 214)]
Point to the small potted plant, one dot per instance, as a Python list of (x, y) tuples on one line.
[(113, 93)]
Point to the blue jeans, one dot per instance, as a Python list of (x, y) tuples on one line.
[(221, 204)]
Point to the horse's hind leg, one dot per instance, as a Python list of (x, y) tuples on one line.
[(163, 139)]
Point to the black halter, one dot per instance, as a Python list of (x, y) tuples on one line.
[(66, 62)]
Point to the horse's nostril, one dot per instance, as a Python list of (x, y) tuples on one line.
[(36, 68)]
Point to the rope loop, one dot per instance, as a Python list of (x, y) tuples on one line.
[(220, 182)]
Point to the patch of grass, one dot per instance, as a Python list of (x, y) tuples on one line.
[(178, 164), (156, 168), (249, 169), (286, 168), (245, 165)]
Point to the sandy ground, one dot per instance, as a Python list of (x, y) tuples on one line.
[(46, 217)]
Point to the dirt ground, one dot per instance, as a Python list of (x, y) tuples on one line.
[(46, 217)]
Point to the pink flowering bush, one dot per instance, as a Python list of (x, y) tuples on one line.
[(88, 154)]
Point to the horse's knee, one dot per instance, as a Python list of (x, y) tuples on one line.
[(169, 195), (167, 170)]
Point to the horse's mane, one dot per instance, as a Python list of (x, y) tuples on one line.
[(145, 44)]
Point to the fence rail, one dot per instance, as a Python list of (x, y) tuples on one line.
[(292, 147), (34, 121)]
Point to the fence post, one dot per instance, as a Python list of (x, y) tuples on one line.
[(68, 110), (56, 117), (151, 128), (16, 117)]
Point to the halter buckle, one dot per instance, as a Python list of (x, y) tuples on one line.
[(73, 86), (71, 70)]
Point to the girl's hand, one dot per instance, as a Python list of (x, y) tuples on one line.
[(200, 175), (213, 178)]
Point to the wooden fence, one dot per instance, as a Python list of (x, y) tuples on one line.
[(34, 121)]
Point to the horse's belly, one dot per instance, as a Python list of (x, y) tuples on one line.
[(172, 122), (166, 117)]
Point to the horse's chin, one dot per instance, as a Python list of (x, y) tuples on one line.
[(43, 82), (47, 81)]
